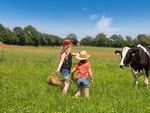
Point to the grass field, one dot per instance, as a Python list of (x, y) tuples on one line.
[(23, 87)]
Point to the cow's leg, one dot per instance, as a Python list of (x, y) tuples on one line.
[(135, 76), (146, 77)]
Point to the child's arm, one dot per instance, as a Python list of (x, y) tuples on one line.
[(91, 75), (73, 71), (74, 54), (61, 62)]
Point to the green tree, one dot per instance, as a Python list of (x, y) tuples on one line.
[(43, 39), (117, 41), (58, 40), (3, 32), (101, 40), (32, 36), (53, 40), (143, 39), (9, 37), (129, 41), (18, 31), (87, 41)]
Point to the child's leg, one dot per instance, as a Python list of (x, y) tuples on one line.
[(66, 87), (86, 92), (65, 73), (78, 93)]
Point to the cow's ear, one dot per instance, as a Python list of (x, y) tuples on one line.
[(118, 52)]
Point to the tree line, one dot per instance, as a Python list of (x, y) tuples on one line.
[(29, 35), (101, 40)]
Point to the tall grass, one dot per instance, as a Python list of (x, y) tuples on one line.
[(23, 87)]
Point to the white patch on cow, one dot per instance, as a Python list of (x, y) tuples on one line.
[(145, 79), (124, 52), (144, 49), (133, 54)]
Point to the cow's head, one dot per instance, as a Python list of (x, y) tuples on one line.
[(126, 56)]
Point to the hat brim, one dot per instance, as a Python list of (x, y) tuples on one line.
[(79, 58)]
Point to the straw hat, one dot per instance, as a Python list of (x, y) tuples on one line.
[(82, 55)]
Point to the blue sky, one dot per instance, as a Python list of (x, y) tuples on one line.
[(82, 17)]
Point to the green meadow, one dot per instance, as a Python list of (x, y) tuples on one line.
[(23, 87)]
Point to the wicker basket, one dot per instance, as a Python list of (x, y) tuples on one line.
[(54, 81)]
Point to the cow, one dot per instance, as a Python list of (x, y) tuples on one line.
[(139, 60)]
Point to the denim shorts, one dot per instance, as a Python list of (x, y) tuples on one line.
[(65, 73), (83, 82)]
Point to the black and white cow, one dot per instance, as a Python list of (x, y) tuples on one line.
[(138, 59)]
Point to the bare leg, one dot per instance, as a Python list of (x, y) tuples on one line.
[(78, 93), (66, 87), (86, 92)]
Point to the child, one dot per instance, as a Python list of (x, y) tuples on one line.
[(65, 63), (84, 76)]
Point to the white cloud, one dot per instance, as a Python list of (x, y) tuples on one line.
[(94, 17), (104, 24)]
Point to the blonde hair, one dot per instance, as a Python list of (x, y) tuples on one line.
[(65, 49)]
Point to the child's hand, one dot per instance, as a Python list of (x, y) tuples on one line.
[(74, 54)]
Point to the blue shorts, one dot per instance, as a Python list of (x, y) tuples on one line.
[(83, 82), (65, 73)]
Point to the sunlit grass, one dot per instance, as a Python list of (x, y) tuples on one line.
[(23, 87)]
